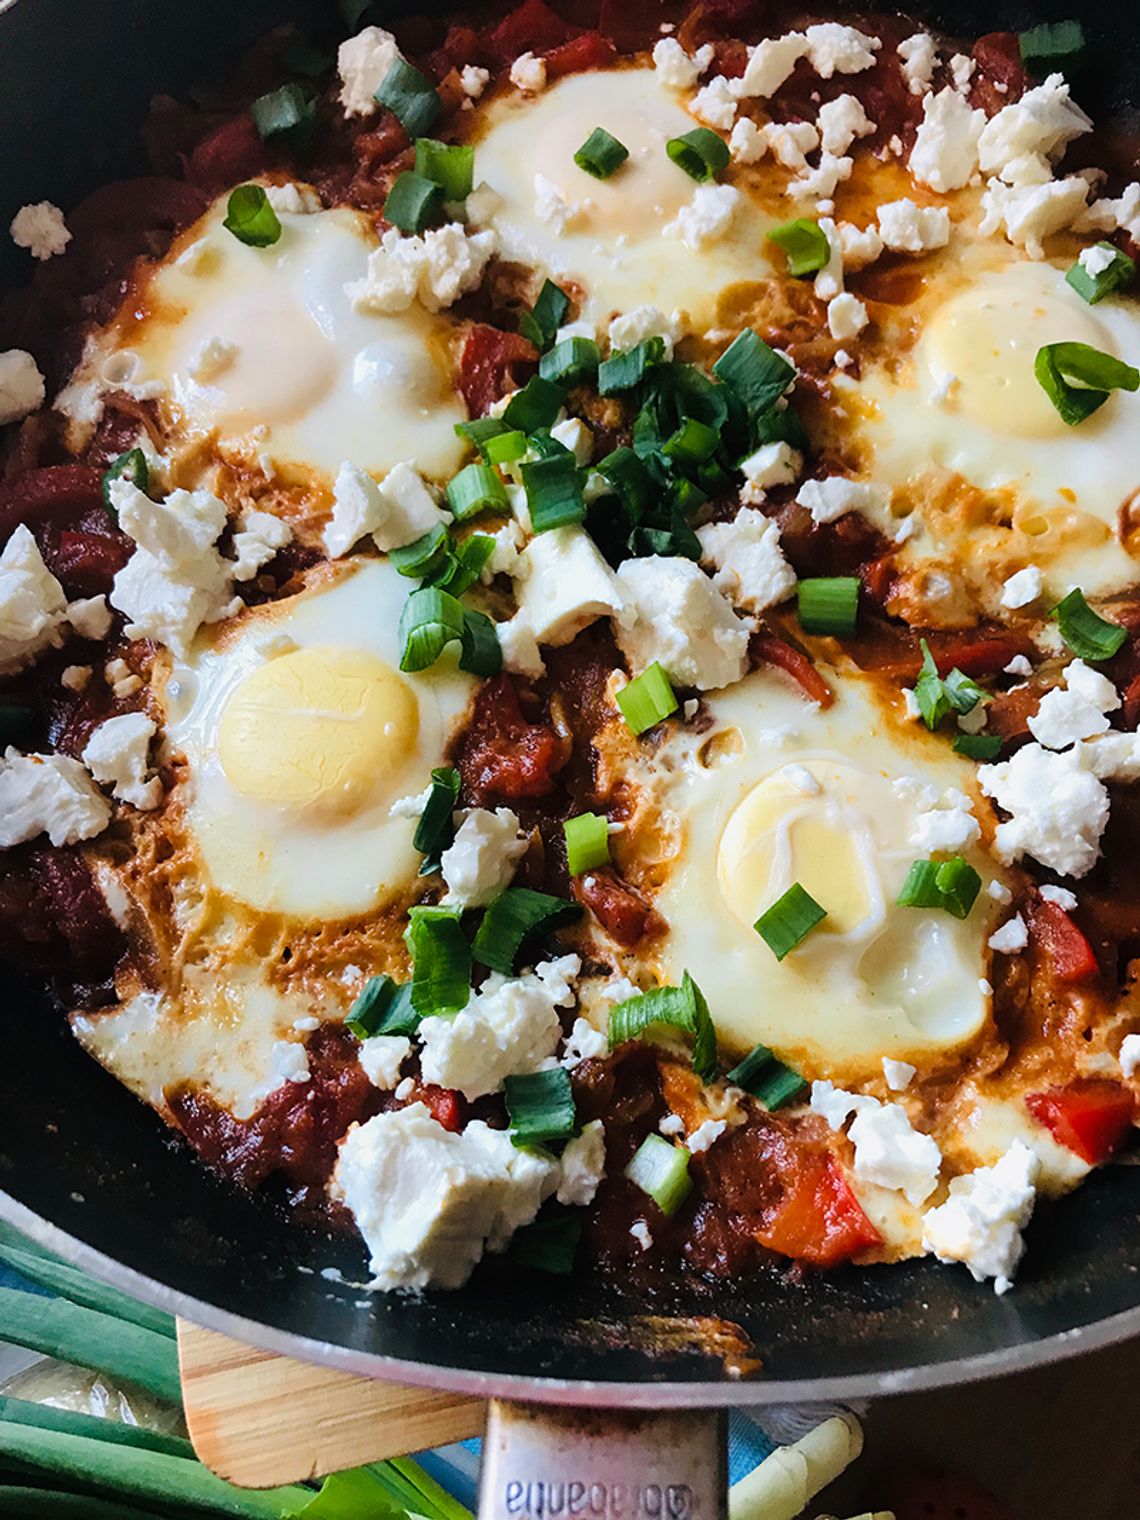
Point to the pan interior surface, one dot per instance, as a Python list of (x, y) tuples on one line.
[(79, 1154)]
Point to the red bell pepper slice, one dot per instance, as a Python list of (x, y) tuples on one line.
[(1069, 951), (1089, 1117)]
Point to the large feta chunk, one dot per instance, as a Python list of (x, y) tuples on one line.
[(1108, 215), (715, 104), (833, 48), (583, 1165), (584, 1043), (707, 217), (21, 386), (436, 269), (772, 464), (675, 67), (48, 794), (919, 54), (823, 181), (945, 152), (1041, 123), (429, 1202), (362, 62), (841, 121), (394, 512), (259, 539), (889, 1151), (909, 228), (682, 621), (381, 1057), (1028, 214), (565, 585), (770, 63), (1058, 809), (751, 570), (509, 1026), (947, 830), (829, 499), (41, 229), (118, 754), (482, 857), (1065, 717), (980, 1223), (633, 327), (33, 608)]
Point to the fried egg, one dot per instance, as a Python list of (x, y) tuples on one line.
[(263, 346), (298, 732), (610, 236), (782, 792), (965, 401)]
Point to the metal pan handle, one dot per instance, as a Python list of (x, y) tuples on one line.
[(543, 1462)]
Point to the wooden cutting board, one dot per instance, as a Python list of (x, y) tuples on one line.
[(261, 1420)]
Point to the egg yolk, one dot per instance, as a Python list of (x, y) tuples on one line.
[(318, 730), (778, 835), (988, 338)]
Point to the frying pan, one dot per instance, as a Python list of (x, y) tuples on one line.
[(92, 1174)]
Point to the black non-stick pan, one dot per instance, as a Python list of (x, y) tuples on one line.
[(92, 1173)]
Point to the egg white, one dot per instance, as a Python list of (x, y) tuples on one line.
[(264, 838), (300, 378), (876, 980), (964, 401), (615, 249)]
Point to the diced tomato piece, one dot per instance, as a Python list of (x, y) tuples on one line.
[(819, 1220), (795, 664), (973, 656), (488, 366), (502, 754), (589, 51), (443, 1103), (55, 491), (1069, 951), (1089, 1117), (998, 56), (619, 908), (532, 28), (230, 153)]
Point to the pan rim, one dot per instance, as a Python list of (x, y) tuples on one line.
[(597, 1393)]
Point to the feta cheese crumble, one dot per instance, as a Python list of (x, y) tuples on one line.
[(33, 608), (48, 794), (829, 499), (1022, 588), (118, 754), (481, 859), (528, 74), (919, 54), (563, 584), (583, 1043), (429, 1202), (633, 327), (1011, 938), (362, 62), (846, 316), (707, 217), (381, 1056), (841, 121), (945, 153), (394, 512), (41, 229), (583, 1165), (715, 104), (22, 388), (435, 269), (981, 1221), (889, 1151), (1058, 809), (908, 228), (676, 68), (682, 621), (750, 568), (898, 1074), (1130, 1054)]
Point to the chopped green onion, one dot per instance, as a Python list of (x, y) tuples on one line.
[(542, 322), (1051, 43), (423, 555), (505, 448), (789, 921), (1087, 634), (287, 112), (701, 153), (463, 565), (647, 700), (621, 372), (938, 695), (805, 244), (541, 1107), (383, 1007), (516, 921), (951, 885), (682, 1007), (571, 361), (601, 154), (693, 443), (410, 96), (130, 466), (587, 842), (548, 1245), (436, 827), (553, 492), (661, 1170), (1096, 374), (481, 654), (545, 446), (477, 488), (535, 406), (630, 479), (480, 430), (431, 620), (1118, 272), (450, 165), (251, 218), (411, 201), (978, 746), (441, 960), (828, 604), (757, 374), (959, 885), (766, 1078)]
